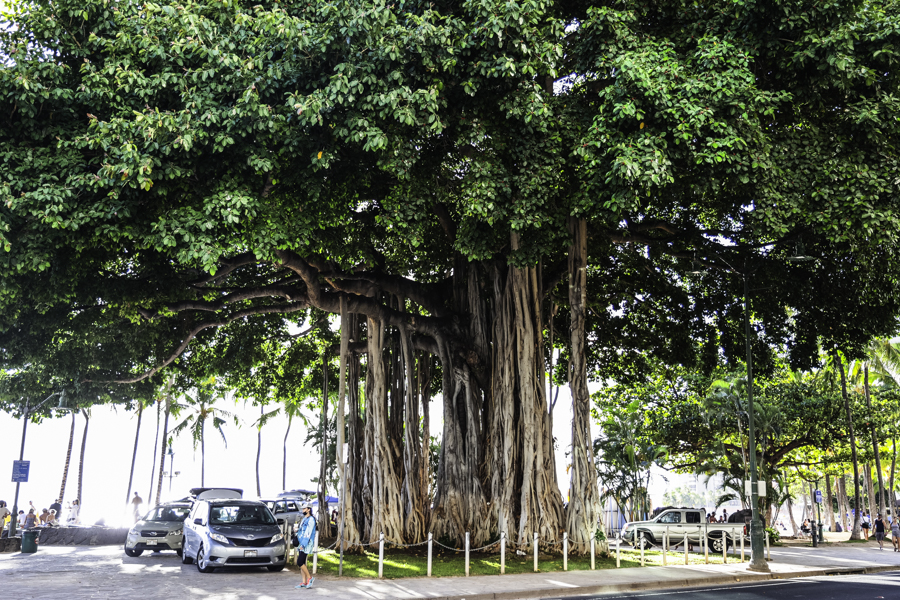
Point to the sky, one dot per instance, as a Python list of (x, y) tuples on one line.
[(110, 442)]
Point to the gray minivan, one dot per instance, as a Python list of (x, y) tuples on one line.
[(233, 533)]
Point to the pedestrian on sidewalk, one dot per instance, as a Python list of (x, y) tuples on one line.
[(879, 531), (136, 503), (865, 527), (306, 540), (895, 534)]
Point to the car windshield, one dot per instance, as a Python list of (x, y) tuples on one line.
[(240, 514), (167, 513)]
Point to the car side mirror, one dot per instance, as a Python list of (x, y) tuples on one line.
[(198, 521)]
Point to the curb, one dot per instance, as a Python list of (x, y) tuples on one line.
[(587, 590)]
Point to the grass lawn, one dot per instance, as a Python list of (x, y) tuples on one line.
[(400, 563)]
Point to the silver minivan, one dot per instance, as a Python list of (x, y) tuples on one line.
[(233, 533)]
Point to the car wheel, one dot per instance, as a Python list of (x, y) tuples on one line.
[(643, 539), (185, 559), (275, 568), (715, 544), (132, 553), (179, 552), (203, 563)]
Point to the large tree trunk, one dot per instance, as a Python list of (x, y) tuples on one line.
[(137, 433), (162, 446), (879, 499), (583, 512), (358, 491), (87, 419), (349, 534), (414, 502), (65, 476), (524, 490), (829, 507), (387, 507), (854, 535), (460, 502)]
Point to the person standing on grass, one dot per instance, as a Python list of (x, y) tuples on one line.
[(306, 538)]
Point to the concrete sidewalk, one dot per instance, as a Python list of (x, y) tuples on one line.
[(79, 573)]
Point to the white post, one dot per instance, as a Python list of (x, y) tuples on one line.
[(643, 541), (618, 556), (316, 553), (381, 556), (502, 552), (467, 554), (665, 544), (724, 548), (592, 552), (742, 546), (706, 544), (429, 554), (565, 551), (685, 547), (535, 551), (768, 551)]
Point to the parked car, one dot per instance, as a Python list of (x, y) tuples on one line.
[(160, 529), (233, 533), (677, 522), (287, 509)]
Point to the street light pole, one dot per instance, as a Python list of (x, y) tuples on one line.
[(171, 454), (757, 544)]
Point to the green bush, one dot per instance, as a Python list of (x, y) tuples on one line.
[(774, 536)]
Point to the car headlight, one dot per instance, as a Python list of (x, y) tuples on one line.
[(219, 538), (133, 531), (177, 532), (276, 538)]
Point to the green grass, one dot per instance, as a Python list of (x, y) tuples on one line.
[(400, 563)]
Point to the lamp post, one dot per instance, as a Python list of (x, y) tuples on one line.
[(757, 530), (15, 507), (171, 455)]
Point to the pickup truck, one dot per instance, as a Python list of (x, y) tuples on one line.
[(680, 521)]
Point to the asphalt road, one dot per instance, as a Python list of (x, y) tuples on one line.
[(840, 587)]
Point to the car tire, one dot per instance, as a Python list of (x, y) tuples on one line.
[(715, 544), (185, 559), (643, 538), (179, 552), (202, 564), (132, 553), (275, 568)]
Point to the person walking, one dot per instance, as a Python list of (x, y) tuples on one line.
[(136, 503), (306, 540), (879, 531), (865, 527), (895, 534)]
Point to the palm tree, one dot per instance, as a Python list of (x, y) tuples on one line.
[(87, 417), (137, 432), (162, 444), (202, 409), (158, 402), (65, 476)]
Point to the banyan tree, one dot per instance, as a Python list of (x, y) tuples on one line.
[(466, 187)]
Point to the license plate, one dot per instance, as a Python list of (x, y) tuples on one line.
[(248, 553), (151, 542)]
